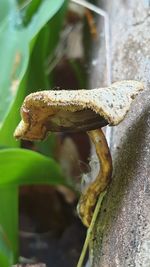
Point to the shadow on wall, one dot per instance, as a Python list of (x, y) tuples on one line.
[(127, 167)]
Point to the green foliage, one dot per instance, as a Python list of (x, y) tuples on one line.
[(9, 222), (15, 38), (35, 77), (6, 258), (29, 33), (28, 167)]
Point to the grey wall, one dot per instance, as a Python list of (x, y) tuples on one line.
[(122, 232)]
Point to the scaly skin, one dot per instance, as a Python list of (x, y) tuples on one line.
[(88, 199)]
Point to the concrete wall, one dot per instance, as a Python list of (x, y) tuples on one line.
[(122, 233)]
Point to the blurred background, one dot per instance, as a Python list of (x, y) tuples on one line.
[(44, 45)]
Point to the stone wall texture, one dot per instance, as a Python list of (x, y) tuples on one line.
[(122, 234)]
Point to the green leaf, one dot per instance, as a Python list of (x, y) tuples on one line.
[(35, 77), (15, 39), (28, 9), (4, 11), (47, 147), (12, 119), (8, 224), (21, 166), (18, 36), (6, 255)]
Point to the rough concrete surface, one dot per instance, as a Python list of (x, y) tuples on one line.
[(122, 233)]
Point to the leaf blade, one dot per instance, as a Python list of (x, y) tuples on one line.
[(14, 47), (9, 224), (21, 166)]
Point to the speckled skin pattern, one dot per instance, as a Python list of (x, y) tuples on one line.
[(75, 110)]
